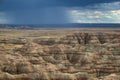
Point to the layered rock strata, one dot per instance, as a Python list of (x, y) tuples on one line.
[(78, 56)]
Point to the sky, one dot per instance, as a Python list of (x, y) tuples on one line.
[(59, 11)]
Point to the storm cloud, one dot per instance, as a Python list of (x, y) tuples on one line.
[(59, 11)]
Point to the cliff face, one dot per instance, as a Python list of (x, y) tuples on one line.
[(78, 56), (90, 38)]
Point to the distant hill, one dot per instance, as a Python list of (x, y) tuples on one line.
[(69, 25)]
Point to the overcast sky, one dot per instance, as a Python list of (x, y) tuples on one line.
[(59, 11)]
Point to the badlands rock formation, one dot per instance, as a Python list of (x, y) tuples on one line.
[(77, 56)]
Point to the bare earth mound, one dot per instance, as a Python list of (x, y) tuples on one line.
[(71, 55)]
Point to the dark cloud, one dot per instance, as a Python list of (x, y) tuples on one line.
[(28, 4), (49, 11), (1, 2)]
